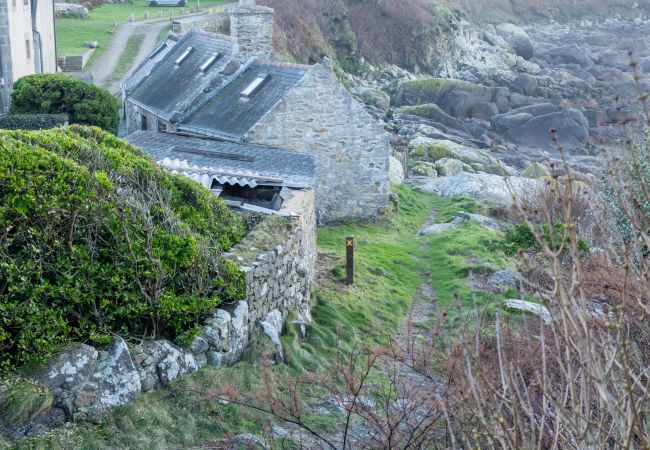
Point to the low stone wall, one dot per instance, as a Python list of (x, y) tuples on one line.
[(75, 63), (278, 259)]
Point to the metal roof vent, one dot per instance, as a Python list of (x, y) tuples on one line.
[(255, 85), (210, 61), (184, 56)]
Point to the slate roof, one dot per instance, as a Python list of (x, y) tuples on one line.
[(227, 115), (228, 162), (146, 66), (169, 89)]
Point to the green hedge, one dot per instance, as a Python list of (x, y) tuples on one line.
[(84, 103), (96, 239), (32, 121)]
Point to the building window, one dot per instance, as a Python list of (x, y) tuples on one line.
[(162, 127), (143, 123), (28, 48), (13, 4), (25, 3)]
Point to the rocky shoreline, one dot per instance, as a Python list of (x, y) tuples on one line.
[(504, 89)]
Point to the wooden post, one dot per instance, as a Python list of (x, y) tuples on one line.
[(349, 260)]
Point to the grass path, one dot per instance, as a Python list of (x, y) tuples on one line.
[(396, 272)]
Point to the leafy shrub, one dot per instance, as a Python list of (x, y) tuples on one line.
[(97, 239), (32, 121), (521, 238), (84, 103)]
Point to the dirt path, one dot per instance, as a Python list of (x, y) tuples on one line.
[(106, 65)]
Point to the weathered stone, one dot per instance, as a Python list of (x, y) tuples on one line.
[(425, 168), (571, 54), (372, 97), (505, 277), (115, 382), (480, 186), (517, 38), (437, 228), (70, 366), (571, 126), (71, 10), (521, 305), (171, 361), (486, 222), (447, 167), (536, 170), (271, 332), (396, 171), (247, 441)]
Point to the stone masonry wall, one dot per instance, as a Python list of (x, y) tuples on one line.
[(281, 278), (251, 27), (351, 149), (280, 270), (5, 58)]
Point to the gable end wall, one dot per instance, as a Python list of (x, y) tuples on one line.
[(351, 149)]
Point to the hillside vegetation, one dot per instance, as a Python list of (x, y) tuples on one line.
[(96, 239), (407, 33)]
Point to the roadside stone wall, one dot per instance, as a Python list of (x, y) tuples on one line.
[(278, 259), (251, 27), (352, 150)]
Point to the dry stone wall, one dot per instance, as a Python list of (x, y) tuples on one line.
[(278, 259)]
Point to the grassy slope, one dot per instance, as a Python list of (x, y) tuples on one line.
[(392, 263), (72, 33)]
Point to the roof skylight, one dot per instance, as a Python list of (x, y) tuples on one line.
[(184, 56), (255, 85), (211, 60), (160, 48)]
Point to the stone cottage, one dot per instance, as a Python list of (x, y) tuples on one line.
[(234, 89)]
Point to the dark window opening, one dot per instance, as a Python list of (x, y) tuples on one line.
[(264, 196), (162, 127), (143, 122)]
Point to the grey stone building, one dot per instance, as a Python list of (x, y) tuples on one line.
[(234, 89)]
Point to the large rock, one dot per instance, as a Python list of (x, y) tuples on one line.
[(395, 171), (433, 112), (72, 365), (372, 97), (504, 122), (227, 334), (517, 38), (447, 167), (571, 54), (170, 361), (521, 305), (70, 10), (571, 126), (437, 149), (480, 186), (116, 379), (454, 97)]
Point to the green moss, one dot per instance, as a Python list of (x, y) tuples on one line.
[(438, 151), (22, 401), (428, 110), (262, 238)]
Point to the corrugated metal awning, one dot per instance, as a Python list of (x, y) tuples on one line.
[(207, 175)]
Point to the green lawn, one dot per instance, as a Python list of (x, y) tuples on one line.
[(391, 264), (72, 33)]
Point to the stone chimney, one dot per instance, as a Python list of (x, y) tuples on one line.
[(251, 27)]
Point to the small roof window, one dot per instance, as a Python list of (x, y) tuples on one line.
[(184, 56), (211, 60), (157, 51), (255, 85)]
